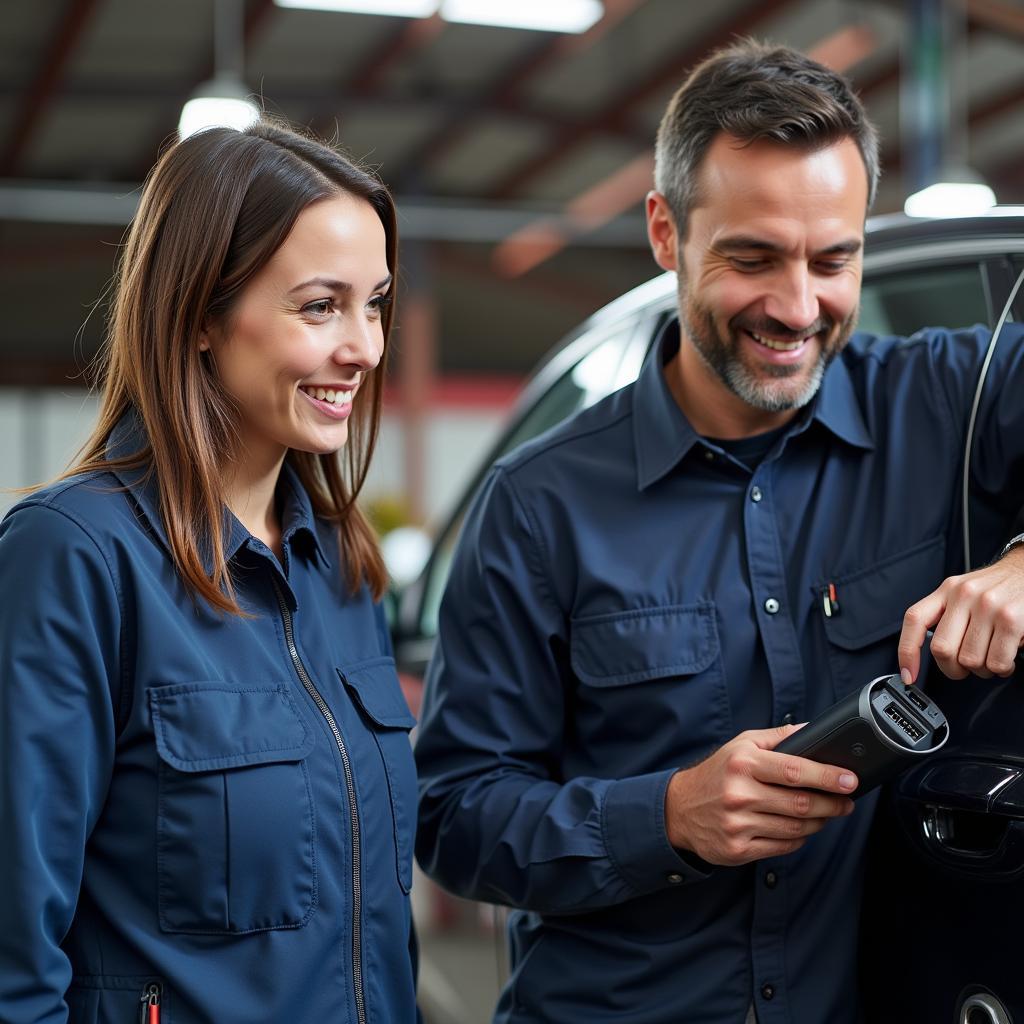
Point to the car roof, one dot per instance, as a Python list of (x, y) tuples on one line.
[(889, 239)]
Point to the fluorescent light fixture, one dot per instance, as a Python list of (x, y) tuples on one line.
[(542, 15), (220, 103), (395, 8), (962, 193)]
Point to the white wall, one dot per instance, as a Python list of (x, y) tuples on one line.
[(40, 431)]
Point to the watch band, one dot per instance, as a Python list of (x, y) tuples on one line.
[(1015, 542)]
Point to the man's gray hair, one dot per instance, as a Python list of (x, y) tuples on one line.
[(754, 91)]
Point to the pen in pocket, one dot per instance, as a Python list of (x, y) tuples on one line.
[(149, 1008)]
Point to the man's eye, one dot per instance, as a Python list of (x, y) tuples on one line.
[(831, 266), (751, 264)]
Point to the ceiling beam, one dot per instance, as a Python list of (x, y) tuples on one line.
[(503, 94), (366, 80), (996, 16), (257, 16), (671, 72), (73, 23)]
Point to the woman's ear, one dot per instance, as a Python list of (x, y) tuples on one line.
[(207, 334)]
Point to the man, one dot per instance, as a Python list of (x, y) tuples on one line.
[(635, 615)]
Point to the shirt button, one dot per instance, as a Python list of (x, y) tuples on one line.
[(767, 991), (674, 878), (771, 606), (755, 494), (709, 455), (771, 879), (787, 718)]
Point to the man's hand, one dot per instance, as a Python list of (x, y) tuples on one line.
[(978, 620), (746, 801)]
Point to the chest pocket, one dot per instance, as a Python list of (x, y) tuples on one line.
[(377, 693), (872, 602), (652, 693), (235, 813)]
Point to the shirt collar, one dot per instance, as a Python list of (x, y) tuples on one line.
[(297, 516), (128, 438), (836, 407), (662, 435)]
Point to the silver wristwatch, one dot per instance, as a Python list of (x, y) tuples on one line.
[(1015, 542)]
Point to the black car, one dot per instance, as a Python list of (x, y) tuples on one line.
[(947, 884)]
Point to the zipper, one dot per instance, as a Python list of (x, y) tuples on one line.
[(357, 896), (149, 1004)]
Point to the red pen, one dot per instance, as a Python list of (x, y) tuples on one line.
[(149, 1011)]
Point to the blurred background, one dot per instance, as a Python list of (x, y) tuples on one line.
[(519, 155)]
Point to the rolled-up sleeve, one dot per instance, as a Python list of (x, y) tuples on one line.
[(60, 637), (497, 820)]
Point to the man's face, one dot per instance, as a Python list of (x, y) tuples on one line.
[(769, 278)]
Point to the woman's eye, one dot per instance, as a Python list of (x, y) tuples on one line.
[(379, 303), (320, 309)]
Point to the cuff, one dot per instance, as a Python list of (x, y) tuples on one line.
[(633, 825)]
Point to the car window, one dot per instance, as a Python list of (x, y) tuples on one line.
[(905, 301), (612, 364), (892, 302)]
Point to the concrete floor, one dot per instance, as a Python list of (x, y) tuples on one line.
[(463, 964)]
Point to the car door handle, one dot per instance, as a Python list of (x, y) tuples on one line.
[(968, 814), (992, 844)]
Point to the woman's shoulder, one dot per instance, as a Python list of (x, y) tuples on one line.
[(61, 512)]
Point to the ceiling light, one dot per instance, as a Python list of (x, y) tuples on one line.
[(961, 193), (542, 15), (221, 102), (395, 8)]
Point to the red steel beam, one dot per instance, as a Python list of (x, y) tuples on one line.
[(503, 94), (366, 79), (76, 17), (671, 72)]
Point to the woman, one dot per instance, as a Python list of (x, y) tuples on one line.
[(206, 792)]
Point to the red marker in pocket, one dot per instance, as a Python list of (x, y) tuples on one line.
[(149, 1010)]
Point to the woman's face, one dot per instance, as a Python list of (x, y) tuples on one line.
[(306, 331)]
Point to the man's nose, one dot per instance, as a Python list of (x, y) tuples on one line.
[(793, 300)]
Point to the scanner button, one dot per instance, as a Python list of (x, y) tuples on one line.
[(771, 606), (674, 878), (755, 494), (771, 879), (768, 991)]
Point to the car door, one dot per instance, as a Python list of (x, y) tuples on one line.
[(945, 886)]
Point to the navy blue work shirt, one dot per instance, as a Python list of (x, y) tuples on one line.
[(626, 597), (183, 820)]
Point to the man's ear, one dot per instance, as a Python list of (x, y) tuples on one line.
[(662, 232)]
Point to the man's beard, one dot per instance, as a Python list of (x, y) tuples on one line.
[(774, 388)]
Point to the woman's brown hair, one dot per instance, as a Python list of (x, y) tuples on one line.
[(214, 209)]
